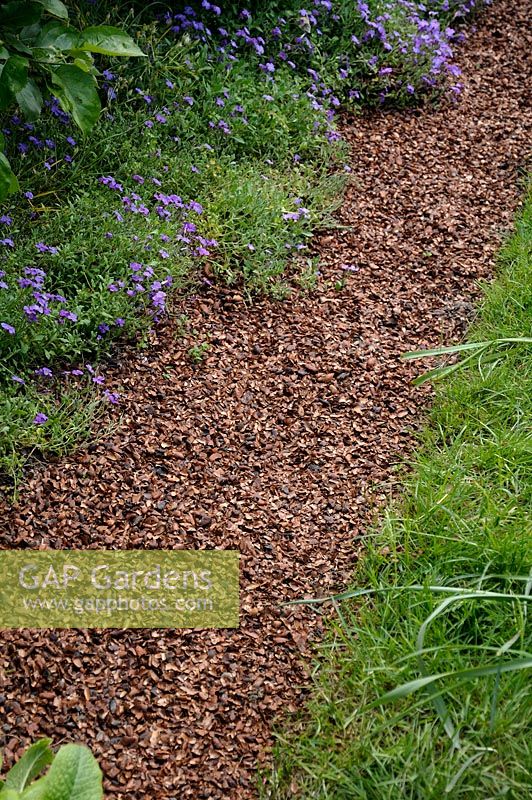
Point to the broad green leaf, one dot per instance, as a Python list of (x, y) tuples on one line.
[(77, 93), (108, 41), (8, 180), (30, 100), (9, 794), (4, 54), (74, 775), (18, 15), (83, 60), (34, 760), (55, 7), (35, 791), (57, 34), (15, 74)]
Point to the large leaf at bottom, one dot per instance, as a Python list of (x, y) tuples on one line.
[(74, 775), (34, 760)]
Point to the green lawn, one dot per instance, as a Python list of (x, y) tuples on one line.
[(462, 530)]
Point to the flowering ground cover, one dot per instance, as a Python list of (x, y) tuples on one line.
[(214, 159), (281, 445)]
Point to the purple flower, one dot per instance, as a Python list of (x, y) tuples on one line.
[(113, 397), (45, 248), (8, 328), (109, 181), (98, 379), (18, 380), (158, 300), (68, 315), (40, 419), (44, 371)]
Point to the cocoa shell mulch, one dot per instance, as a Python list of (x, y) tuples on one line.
[(280, 444)]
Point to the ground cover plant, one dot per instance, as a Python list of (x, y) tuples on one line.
[(213, 160), (423, 684)]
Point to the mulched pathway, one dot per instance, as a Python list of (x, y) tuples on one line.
[(280, 444)]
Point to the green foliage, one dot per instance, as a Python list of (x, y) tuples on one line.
[(247, 182), (484, 352), (39, 56), (423, 686), (74, 774)]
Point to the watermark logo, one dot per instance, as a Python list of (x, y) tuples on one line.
[(119, 589)]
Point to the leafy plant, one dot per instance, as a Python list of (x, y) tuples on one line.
[(198, 352), (74, 774), (41, 54)]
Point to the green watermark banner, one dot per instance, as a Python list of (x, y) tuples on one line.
[(119, 588)]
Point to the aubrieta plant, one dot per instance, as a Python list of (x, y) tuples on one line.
[(73, 774), (214, 158)]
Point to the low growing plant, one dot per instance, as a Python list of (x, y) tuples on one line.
[(73, 774)]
